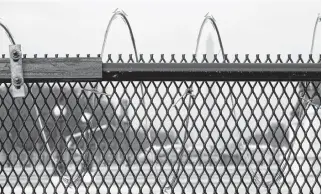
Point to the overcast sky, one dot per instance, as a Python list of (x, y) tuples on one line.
[(261, 26)]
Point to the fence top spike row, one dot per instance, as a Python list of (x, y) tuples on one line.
[(18, 68)]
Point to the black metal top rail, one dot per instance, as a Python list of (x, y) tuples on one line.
[(260, 68)]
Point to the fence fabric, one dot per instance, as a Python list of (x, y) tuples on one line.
[(193, 136)]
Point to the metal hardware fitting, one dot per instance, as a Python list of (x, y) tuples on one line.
[(189, 91), (17, 90)]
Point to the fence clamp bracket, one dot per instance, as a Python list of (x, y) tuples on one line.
[(17, 89)]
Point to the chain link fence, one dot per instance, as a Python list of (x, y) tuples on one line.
[(191, 136)]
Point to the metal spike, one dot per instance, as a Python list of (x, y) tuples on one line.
[(204, 58), (236, 59), (98, 55), (46, 55), (35, 55), (151, 59), (311, 58), (109, 58), (226, 58), (268, 58), (247, 58), (131, 58), (120, 59), (3, 55), (194, 58), (77, 55), (173, 59), (56, 55), (215, 60), (141, 60), (299, 60), (300, 56), (289, 58), (162, 58), (67, 55), (88, 55), (257, 58), (183, 59), (279, 58)]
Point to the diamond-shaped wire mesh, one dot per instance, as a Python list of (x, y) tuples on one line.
[(161, 136)]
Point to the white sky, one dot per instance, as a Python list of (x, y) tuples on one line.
[(261, 26)]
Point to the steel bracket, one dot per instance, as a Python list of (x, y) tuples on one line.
[(17, 89)]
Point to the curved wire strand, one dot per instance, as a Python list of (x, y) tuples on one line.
[(8, 33), (300, 115), (66, 179), (177, 172), (233, 102), (214, 25), (124, 17), (317, 21), (211, 19)]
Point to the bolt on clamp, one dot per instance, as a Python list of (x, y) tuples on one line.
[(17, 80)]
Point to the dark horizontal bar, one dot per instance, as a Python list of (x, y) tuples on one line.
[(53, 69), (92, 69), (212, 76), (212, 67), (212, 71)]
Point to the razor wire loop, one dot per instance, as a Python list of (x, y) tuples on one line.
[(308, 102), (123, 15), (317, 21), (212, 20), (76, 181), (8, 33), (189, 93), (284, 165), (302, 94), (189, 90), (214, 25)]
